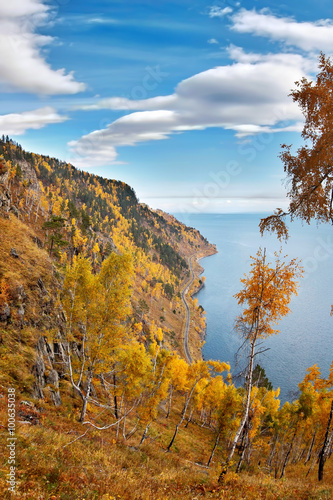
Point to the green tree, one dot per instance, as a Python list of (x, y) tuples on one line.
[(259, 378), (53, 229)]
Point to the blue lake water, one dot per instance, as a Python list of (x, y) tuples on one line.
[(306, 334)]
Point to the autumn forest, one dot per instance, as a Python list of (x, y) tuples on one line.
[(101, 337)]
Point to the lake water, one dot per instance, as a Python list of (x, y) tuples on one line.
[(306, 334)]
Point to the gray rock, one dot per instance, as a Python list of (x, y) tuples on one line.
[(4, 312), (42, 287), (39, 372), (14, 253), (5, 198), (29, 174), (53, 379), (15, 211), (37, 241), (20, 313)]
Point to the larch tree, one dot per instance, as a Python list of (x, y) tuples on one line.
[(310, 170), (266, 293)]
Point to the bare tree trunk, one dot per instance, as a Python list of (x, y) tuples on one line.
[(133, 431), (243, 452), (144, 435), (271, 456), (189, 418), (324, 451), (175, 434), (288, 453), (215, 446), (120, 413), (311, 447), (124, 423), (37, 209), (115, 397), (315, 458), (246, 413), (297, 453), (169, 404), (204, 418), (182, 417), (330, 446), (86, 398)]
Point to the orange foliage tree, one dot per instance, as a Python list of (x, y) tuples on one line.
[(310, 170), (266, 294)]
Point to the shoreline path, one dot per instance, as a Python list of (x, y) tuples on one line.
[(188, 315)]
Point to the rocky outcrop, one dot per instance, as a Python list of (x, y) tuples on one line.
[(5, 312), (46, 376), (5, 196), (14, 253), (29, 174)]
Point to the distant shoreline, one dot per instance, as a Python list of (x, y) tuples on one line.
[(191, 343)]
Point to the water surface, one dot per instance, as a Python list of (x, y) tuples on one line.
[(306, 335)]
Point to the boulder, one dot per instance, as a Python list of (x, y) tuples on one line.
[(4, 312), (14, 253)]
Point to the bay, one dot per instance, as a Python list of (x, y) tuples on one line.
[(306, 334)]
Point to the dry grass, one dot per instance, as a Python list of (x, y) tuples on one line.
[(32, 262), (98, 466), (21, 274), (53, 465)]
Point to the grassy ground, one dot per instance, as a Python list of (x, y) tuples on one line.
[(52, 463)]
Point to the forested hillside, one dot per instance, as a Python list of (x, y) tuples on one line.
[(91, 344), (74, 213)]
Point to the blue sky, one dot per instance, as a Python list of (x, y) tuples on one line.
[(187, 101)]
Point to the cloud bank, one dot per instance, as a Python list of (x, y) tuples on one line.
[(248, 96), (22, 65), (18, 123), (306, 36)]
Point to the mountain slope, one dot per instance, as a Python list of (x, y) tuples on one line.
[(73, 213), (101, 387)]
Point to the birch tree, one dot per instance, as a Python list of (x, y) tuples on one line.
[(96, 307), (266, 293)]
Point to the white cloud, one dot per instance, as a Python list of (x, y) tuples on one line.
[(249, 97), (122, 103), (307, 36), (18, 123), (101, 20), (216, 11), (99, 147), (20, 8), (212, 41), (22, 65)]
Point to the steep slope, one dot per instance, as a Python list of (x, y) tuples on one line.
[(51, 212), (73, 213), (100, 386)]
